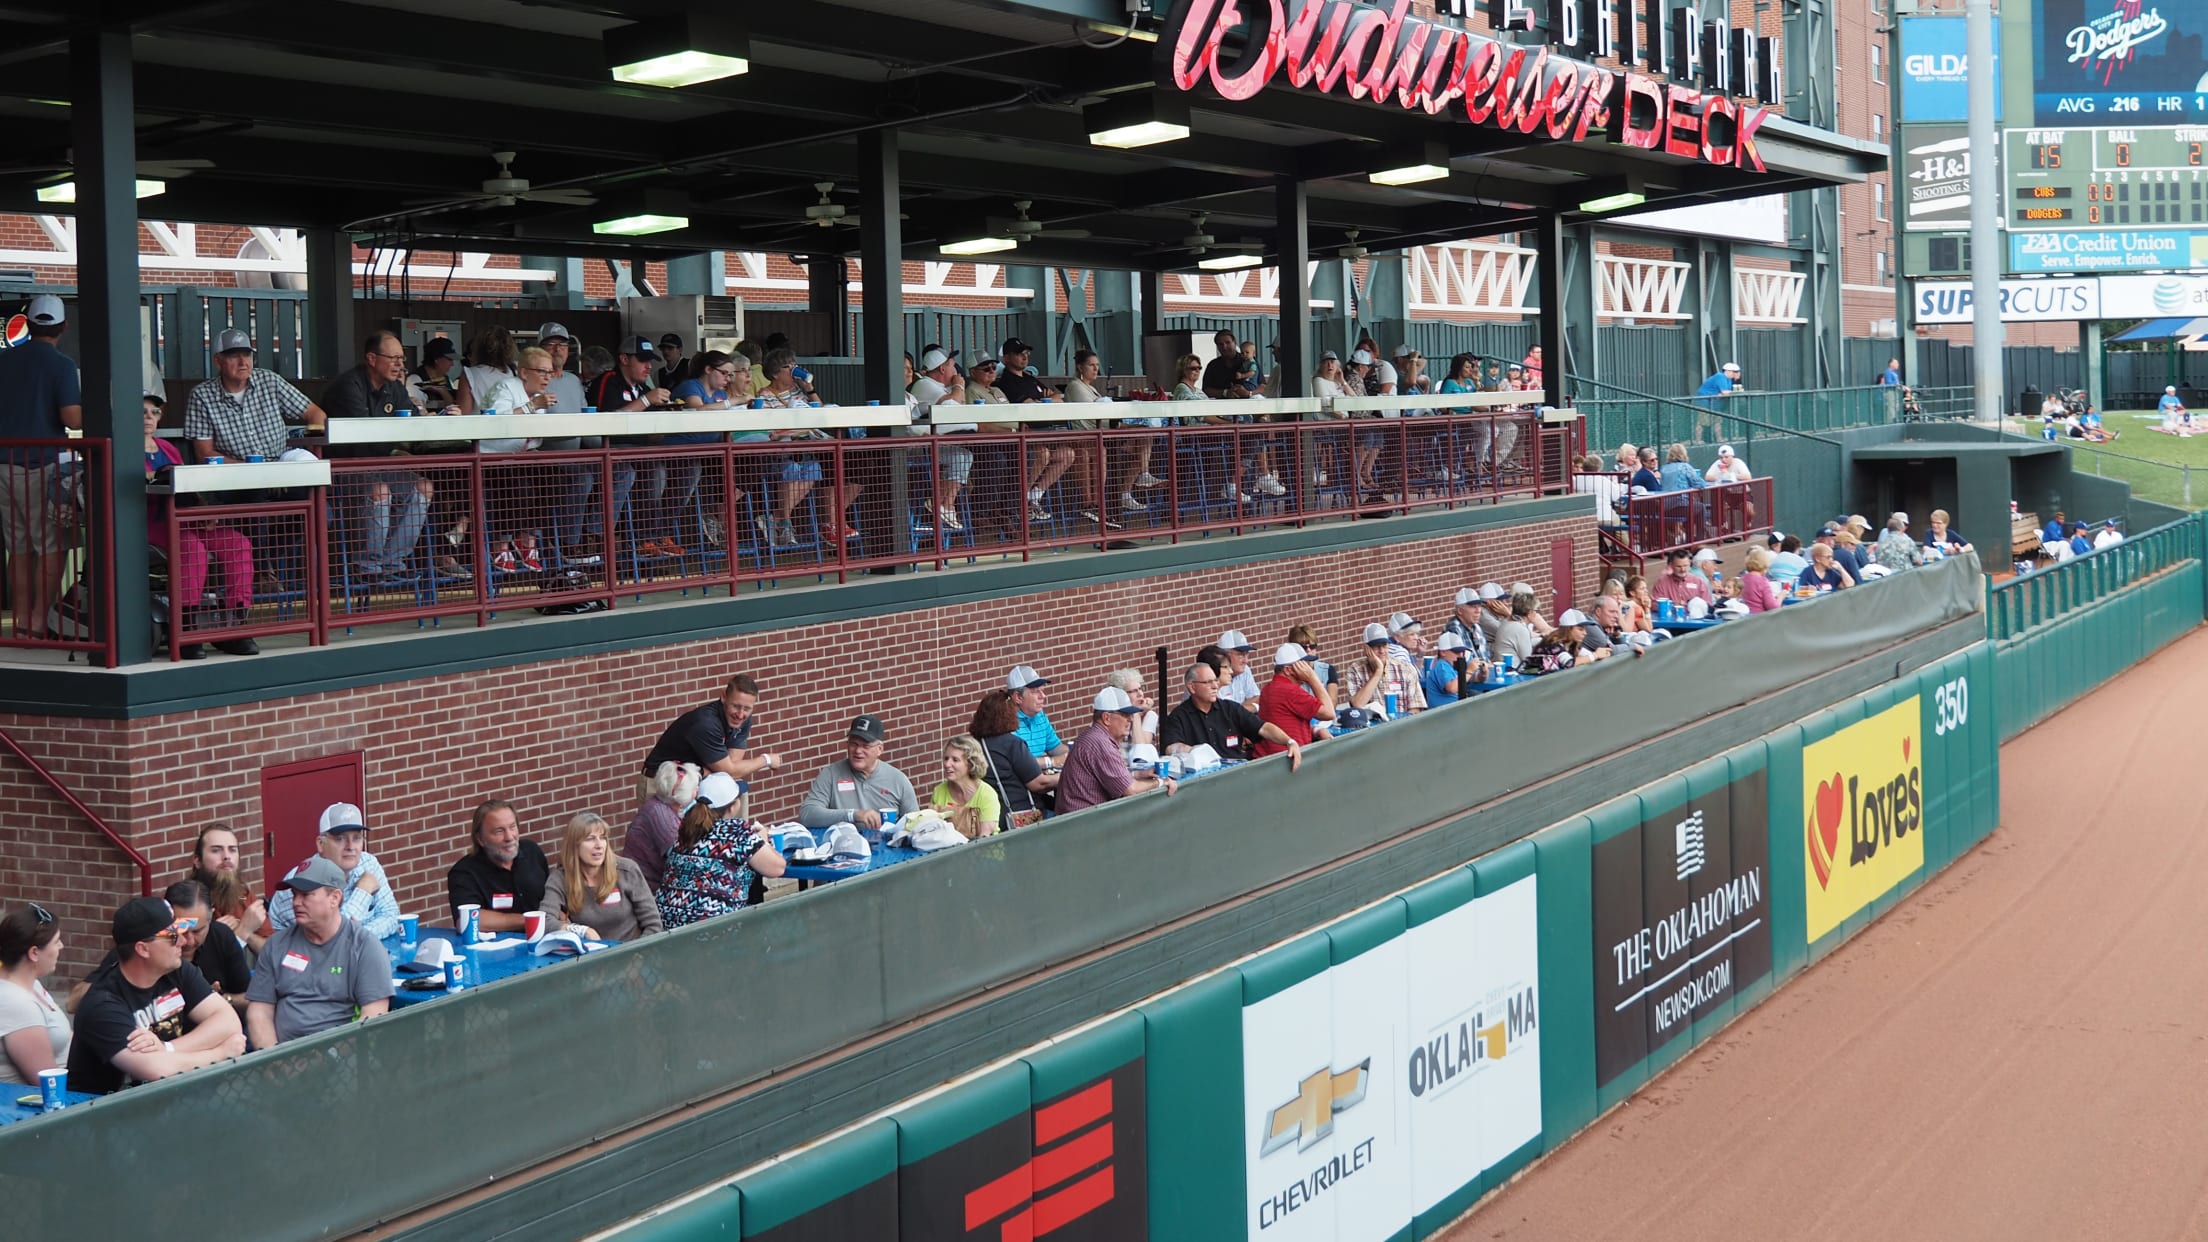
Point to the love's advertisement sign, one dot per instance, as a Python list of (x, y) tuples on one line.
[(1862, 813)]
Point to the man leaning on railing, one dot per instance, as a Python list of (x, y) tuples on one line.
[(39, 400), (377, 389)]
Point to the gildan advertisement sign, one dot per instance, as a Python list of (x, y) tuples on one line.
[(2119, 62), (1935, 69), (1375, 1090), (2054, 300), (1682, 920), (1862, 813)]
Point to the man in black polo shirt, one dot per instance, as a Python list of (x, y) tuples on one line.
[(1205, 719), (503, 874), (716, 735), (377, 389), (1012, 378), (1222, 375)]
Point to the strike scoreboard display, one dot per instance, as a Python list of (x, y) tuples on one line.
[(2106, 178)]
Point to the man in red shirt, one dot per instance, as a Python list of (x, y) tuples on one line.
[(1295, 698), (1679, 583)]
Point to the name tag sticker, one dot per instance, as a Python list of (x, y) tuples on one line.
[(611, 899), (1233, 742), (170, 1005), (847, 786), (295, 961), (502, 901)]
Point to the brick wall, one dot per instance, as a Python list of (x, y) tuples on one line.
[(568, 734)]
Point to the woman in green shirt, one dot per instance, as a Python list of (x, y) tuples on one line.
[(963, 796)]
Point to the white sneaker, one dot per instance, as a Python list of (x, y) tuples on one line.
[(1035, 496), (950, 519), (1147, 479), (1128, 504), (1320, 478), (1229, 493), (1270, 485)]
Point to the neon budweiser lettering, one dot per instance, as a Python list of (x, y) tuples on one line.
[(1384, 55)]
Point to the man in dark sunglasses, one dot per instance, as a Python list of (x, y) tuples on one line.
[(154, 1014)]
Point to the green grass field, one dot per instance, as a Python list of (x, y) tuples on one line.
[(2154, 464)]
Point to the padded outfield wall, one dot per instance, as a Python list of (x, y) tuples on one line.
[(1372, 1079)]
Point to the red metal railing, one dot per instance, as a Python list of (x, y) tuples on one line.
[(58, 553), (138, 860), (1660, 522)]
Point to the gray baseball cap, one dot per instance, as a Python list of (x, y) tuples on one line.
[(232, 340), (318, 873), (551, 330)]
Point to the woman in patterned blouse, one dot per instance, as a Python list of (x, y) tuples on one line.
[(716, 852)]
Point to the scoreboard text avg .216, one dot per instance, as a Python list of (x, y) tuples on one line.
[(2062, 178)]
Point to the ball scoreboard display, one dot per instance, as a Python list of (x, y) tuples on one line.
[(2100, 178)]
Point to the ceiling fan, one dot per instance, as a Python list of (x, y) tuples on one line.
[(1199, 242), (50, 172), (828, 213), (506, 189), (1021, 228), (1351, 250)]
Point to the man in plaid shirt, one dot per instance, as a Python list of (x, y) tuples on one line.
[(241, 413)]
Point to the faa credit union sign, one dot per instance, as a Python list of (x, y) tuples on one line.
[(1862, 813)]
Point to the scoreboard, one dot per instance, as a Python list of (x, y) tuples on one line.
[(2106, 178)]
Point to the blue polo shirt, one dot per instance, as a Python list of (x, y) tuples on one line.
[(1715, 386), (1035, 730), (36, 381)]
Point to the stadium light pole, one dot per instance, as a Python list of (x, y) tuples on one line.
[(1986, 259)]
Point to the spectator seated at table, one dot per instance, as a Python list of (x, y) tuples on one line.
[(1517, 636), (716, 854), (1406, 638), (1445, 675), (153, 1016), (1207, 718), (964, 795), (594, 893), (1468, 621), (1563, 647), (501, 874), (199, 547), (1756, 588), (1647, 481), (1239, 684), (214, 855), (1824, 572), (1896, 550), (1787, 561), (243, 411), (1035, 728), (1640, 606), (1727, 468), (715, 736), (858, 787), (1494, 613), (1377, 675), (1848, 553), (34, 1032), (320, 972), (1022, 783), (1592, 480), (1534, 618), (1296, 703), (377, 389), (668, 792), (1096, 766), (210, 944), (1129, 680), (1603, 634), (369, 902), (1680, 584), (1940, 535)]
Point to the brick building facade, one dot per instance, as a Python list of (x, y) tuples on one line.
[(567, 733)]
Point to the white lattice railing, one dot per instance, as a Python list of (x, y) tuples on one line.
[(1470, 277), (1767, 296), (1635, 288)]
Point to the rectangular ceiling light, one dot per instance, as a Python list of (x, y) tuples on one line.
[(643, 224), (978, 245), (66, 192), (680, 50), (1228, 262), (1136, 119), (1613, 202), (1409, 174)]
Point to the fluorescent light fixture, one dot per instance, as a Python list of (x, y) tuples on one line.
[(1409, 174), (66, 192), (1613, 194), (642, 224), (1136, 119), (683, 49), (1229, 262), (978, 245)]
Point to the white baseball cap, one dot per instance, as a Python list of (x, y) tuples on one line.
[(1707, 556), (1405, 350), (1467, 595), (1521, 588), (1362, 357), (1235, 640), (1375, 633), (1730, 366), (1450, 641), (1114, 699), (46, 310), (1572, 616), (934, 358), (342, 817), (1023, 676), (719, 789), (1288, 654), (1724, 450), (1401, 622), (1142, 757), (1493, 591)]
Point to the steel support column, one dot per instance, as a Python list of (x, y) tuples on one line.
[(887, 504), (1812, 52), (1387, 300), (1292, 216), (565, 290), (105, 141), (329, 301), (1115, 329), (1337, 330), (697, 273), (827, 285), (1716, 329), (1552, 270), (1035, 317)]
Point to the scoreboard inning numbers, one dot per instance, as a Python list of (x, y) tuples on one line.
[(2107, 178)]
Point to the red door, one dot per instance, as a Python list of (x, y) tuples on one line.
[(293, 796), (1560, 574)]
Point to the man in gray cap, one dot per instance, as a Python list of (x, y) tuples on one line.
[(858, 787), (316, 973), (241, 413), (39, 400), (377, 389), (566, 386)]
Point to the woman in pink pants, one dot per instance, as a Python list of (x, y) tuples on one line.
[(196, 544)]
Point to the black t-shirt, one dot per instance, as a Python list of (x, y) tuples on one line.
[(223, 960), (112, 1008), (475, 880), (1018, 386), (700, 736), (1011, 765), (1221, 375), (1229, 728)]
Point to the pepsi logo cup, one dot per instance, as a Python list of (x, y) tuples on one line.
[(53, 1088)]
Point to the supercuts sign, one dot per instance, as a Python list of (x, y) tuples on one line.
[(1681, 101)]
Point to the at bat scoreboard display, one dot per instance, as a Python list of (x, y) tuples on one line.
[(2089, 178)]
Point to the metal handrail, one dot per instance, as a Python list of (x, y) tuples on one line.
[(145, 867), (2030, 600)]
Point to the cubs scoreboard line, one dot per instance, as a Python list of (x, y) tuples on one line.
[(2068, 178)]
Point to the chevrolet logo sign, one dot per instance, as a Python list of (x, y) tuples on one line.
[(1309, 1117)]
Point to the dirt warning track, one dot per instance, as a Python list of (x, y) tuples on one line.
[(2020, 1050)]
